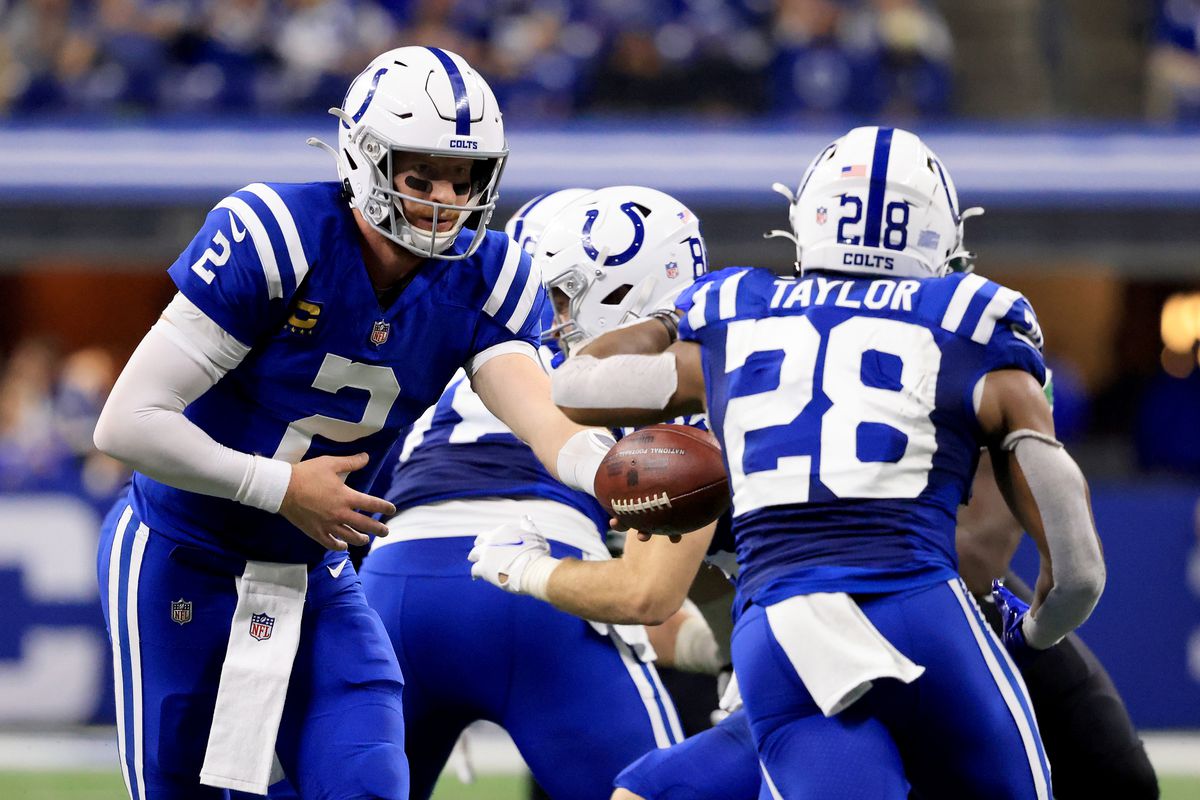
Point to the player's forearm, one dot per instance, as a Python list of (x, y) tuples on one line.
[(143, 425), (627, 389), (645, 338), (608, 591), (1076, 561), (517, 392)]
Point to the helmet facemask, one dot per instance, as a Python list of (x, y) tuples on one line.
[(384, 206), (426, 103), (571, 285)]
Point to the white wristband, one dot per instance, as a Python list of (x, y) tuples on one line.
[(696, 647), (536, 576), (579, 459), (265, 483)]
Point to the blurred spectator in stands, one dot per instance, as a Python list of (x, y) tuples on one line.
[(47, 49), (31, 451), (48, 411), (321, 44), (916, 51), (456, 25), (1173, 71), (701, 55), (84, 381), (880, 57), (224, 57), (135, 40), (539, 56)]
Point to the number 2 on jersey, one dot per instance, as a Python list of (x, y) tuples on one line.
[(339, 373), (898, 412)]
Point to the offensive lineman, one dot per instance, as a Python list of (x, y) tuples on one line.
[(312, 323)]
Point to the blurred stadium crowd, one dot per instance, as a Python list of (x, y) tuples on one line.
[(545, 58), (49, 402)]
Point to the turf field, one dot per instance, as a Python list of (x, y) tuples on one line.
[(108, 786)]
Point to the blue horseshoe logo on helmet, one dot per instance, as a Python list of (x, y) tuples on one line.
[(639, 236), (367, 100)]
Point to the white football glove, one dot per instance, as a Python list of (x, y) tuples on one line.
[(515, 557)]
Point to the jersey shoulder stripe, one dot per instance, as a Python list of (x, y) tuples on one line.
[(514, 290), (974, 307), (956, 309), (702, 308), (259, 236), (286, 223)]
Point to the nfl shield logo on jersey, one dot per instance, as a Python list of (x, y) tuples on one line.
[(380, 332), (181, 611), (261, 626)]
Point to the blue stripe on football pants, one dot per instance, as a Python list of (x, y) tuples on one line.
[(342, 731), (962, 729)]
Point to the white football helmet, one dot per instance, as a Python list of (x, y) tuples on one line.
[(878, 202), (418, 100), (616, 255), (525, 227)]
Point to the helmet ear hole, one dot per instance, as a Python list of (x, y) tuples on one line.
[(615, 297)]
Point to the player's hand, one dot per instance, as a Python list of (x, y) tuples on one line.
[(501, 555), (616, 525), (1012, 615), (319, 502)]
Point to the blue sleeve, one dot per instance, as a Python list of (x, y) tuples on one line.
[(1016, 342), (234, 272), (697, 304)]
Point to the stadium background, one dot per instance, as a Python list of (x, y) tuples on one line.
[(1072, 122)]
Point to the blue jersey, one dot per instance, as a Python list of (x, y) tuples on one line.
[(330, 371), (458, 451), (845, 407)]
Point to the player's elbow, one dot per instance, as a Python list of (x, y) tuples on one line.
[(1083, 590), (654, 605), (107, 435)]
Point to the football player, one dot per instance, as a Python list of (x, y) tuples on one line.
[(580, 700), (313, 322), (851, 403), (1090, 740)]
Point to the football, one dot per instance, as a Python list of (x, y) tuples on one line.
[(664, 479)]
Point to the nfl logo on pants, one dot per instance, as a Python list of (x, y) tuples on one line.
[(261, 626), (181, 611)]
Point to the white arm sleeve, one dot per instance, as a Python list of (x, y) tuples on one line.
[(142, 424), (1060, 492), (621, 381)]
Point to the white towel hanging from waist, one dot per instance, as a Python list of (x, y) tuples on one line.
[(835, 649), (263, 639)]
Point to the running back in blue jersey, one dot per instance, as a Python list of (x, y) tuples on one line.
[(845, 407), (330, 371)]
